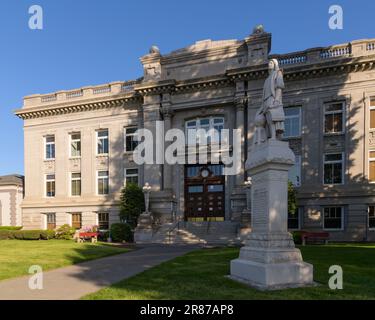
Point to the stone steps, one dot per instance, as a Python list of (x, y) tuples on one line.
[(222, 233)]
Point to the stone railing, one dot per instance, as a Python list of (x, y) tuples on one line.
[(293, 59), (101, 90), (335, 52), (83, 93), (315, 55)]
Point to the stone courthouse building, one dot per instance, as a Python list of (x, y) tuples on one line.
[(79, 143)]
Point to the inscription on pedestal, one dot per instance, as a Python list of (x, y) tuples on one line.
[(259, 209)]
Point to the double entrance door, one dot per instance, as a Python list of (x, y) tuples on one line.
[(204, 193)]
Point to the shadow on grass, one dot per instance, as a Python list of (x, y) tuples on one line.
[(201, 275)]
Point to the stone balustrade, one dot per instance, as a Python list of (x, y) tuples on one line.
[(353, 49), (85, 92)]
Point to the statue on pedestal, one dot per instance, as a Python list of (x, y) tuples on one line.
[(269, 260), (143, 231), (269, 120)]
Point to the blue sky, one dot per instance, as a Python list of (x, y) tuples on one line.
[(91, 42)]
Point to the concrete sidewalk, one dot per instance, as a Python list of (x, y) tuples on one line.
[(75, 281)]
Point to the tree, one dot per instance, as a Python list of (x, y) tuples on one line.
[(292, 198), (132, 204)]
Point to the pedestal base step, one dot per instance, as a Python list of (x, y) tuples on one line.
[(272, 276)]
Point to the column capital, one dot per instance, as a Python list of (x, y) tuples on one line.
[(240, 102)]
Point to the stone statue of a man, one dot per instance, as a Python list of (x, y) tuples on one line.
[(269, 120)]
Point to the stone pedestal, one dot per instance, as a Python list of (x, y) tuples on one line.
[(143, 231), (269, 259)]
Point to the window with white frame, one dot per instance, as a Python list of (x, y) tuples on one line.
[(130, 139), (294, 174), (49, 147), (212, 126), (103, 182), (103, 220), (372, 113), (371, 217), (292, 122), (103, 142), (50, 185), (294, 220), (334, 118), (333, 168), (131, 176), (75, 145), (333, 218), (75, 184), (371, 167)]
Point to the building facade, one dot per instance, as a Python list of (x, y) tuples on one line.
[(79, 143), (11, 195)]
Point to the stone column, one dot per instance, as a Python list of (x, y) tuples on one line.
[(269, 259), (240, 103), (167, 116), (151, 114)]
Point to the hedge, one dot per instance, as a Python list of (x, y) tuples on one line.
[(121, 232), (27, 234), (10, 228)]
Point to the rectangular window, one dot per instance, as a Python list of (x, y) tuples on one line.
[(333, 168), (76, 184), (211, 127), (130, 139), (292, 122), (294, 220), (333, 218), (371, 217), (103, 182), (295, 172), (102, 137), (131, 176), (50, 185), (334, 118), (371, 168), (50, 147), (75, 145), (103, 220), (51, 221), (77, 220), (372, 113)]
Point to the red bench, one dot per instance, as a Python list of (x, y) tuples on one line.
[(83, 236), (314, 236)]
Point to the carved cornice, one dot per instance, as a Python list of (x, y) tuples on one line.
[(31, 113)]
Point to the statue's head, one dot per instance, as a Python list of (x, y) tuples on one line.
[(273, 65)]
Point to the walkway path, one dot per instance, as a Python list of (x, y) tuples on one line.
[(75, 281)]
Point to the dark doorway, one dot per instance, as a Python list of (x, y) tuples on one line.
[(204, 192)]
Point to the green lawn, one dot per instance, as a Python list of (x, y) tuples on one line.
[(201, 275), (16, 256)]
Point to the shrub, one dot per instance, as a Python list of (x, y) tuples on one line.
[(103, 235), (10, 228), (121, 232), (65, 232), (27, 234), (132, 204), (297, 237), (47, 234), (292, 198), (6, 234)]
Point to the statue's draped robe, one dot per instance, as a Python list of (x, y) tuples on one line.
[(273, 109)]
